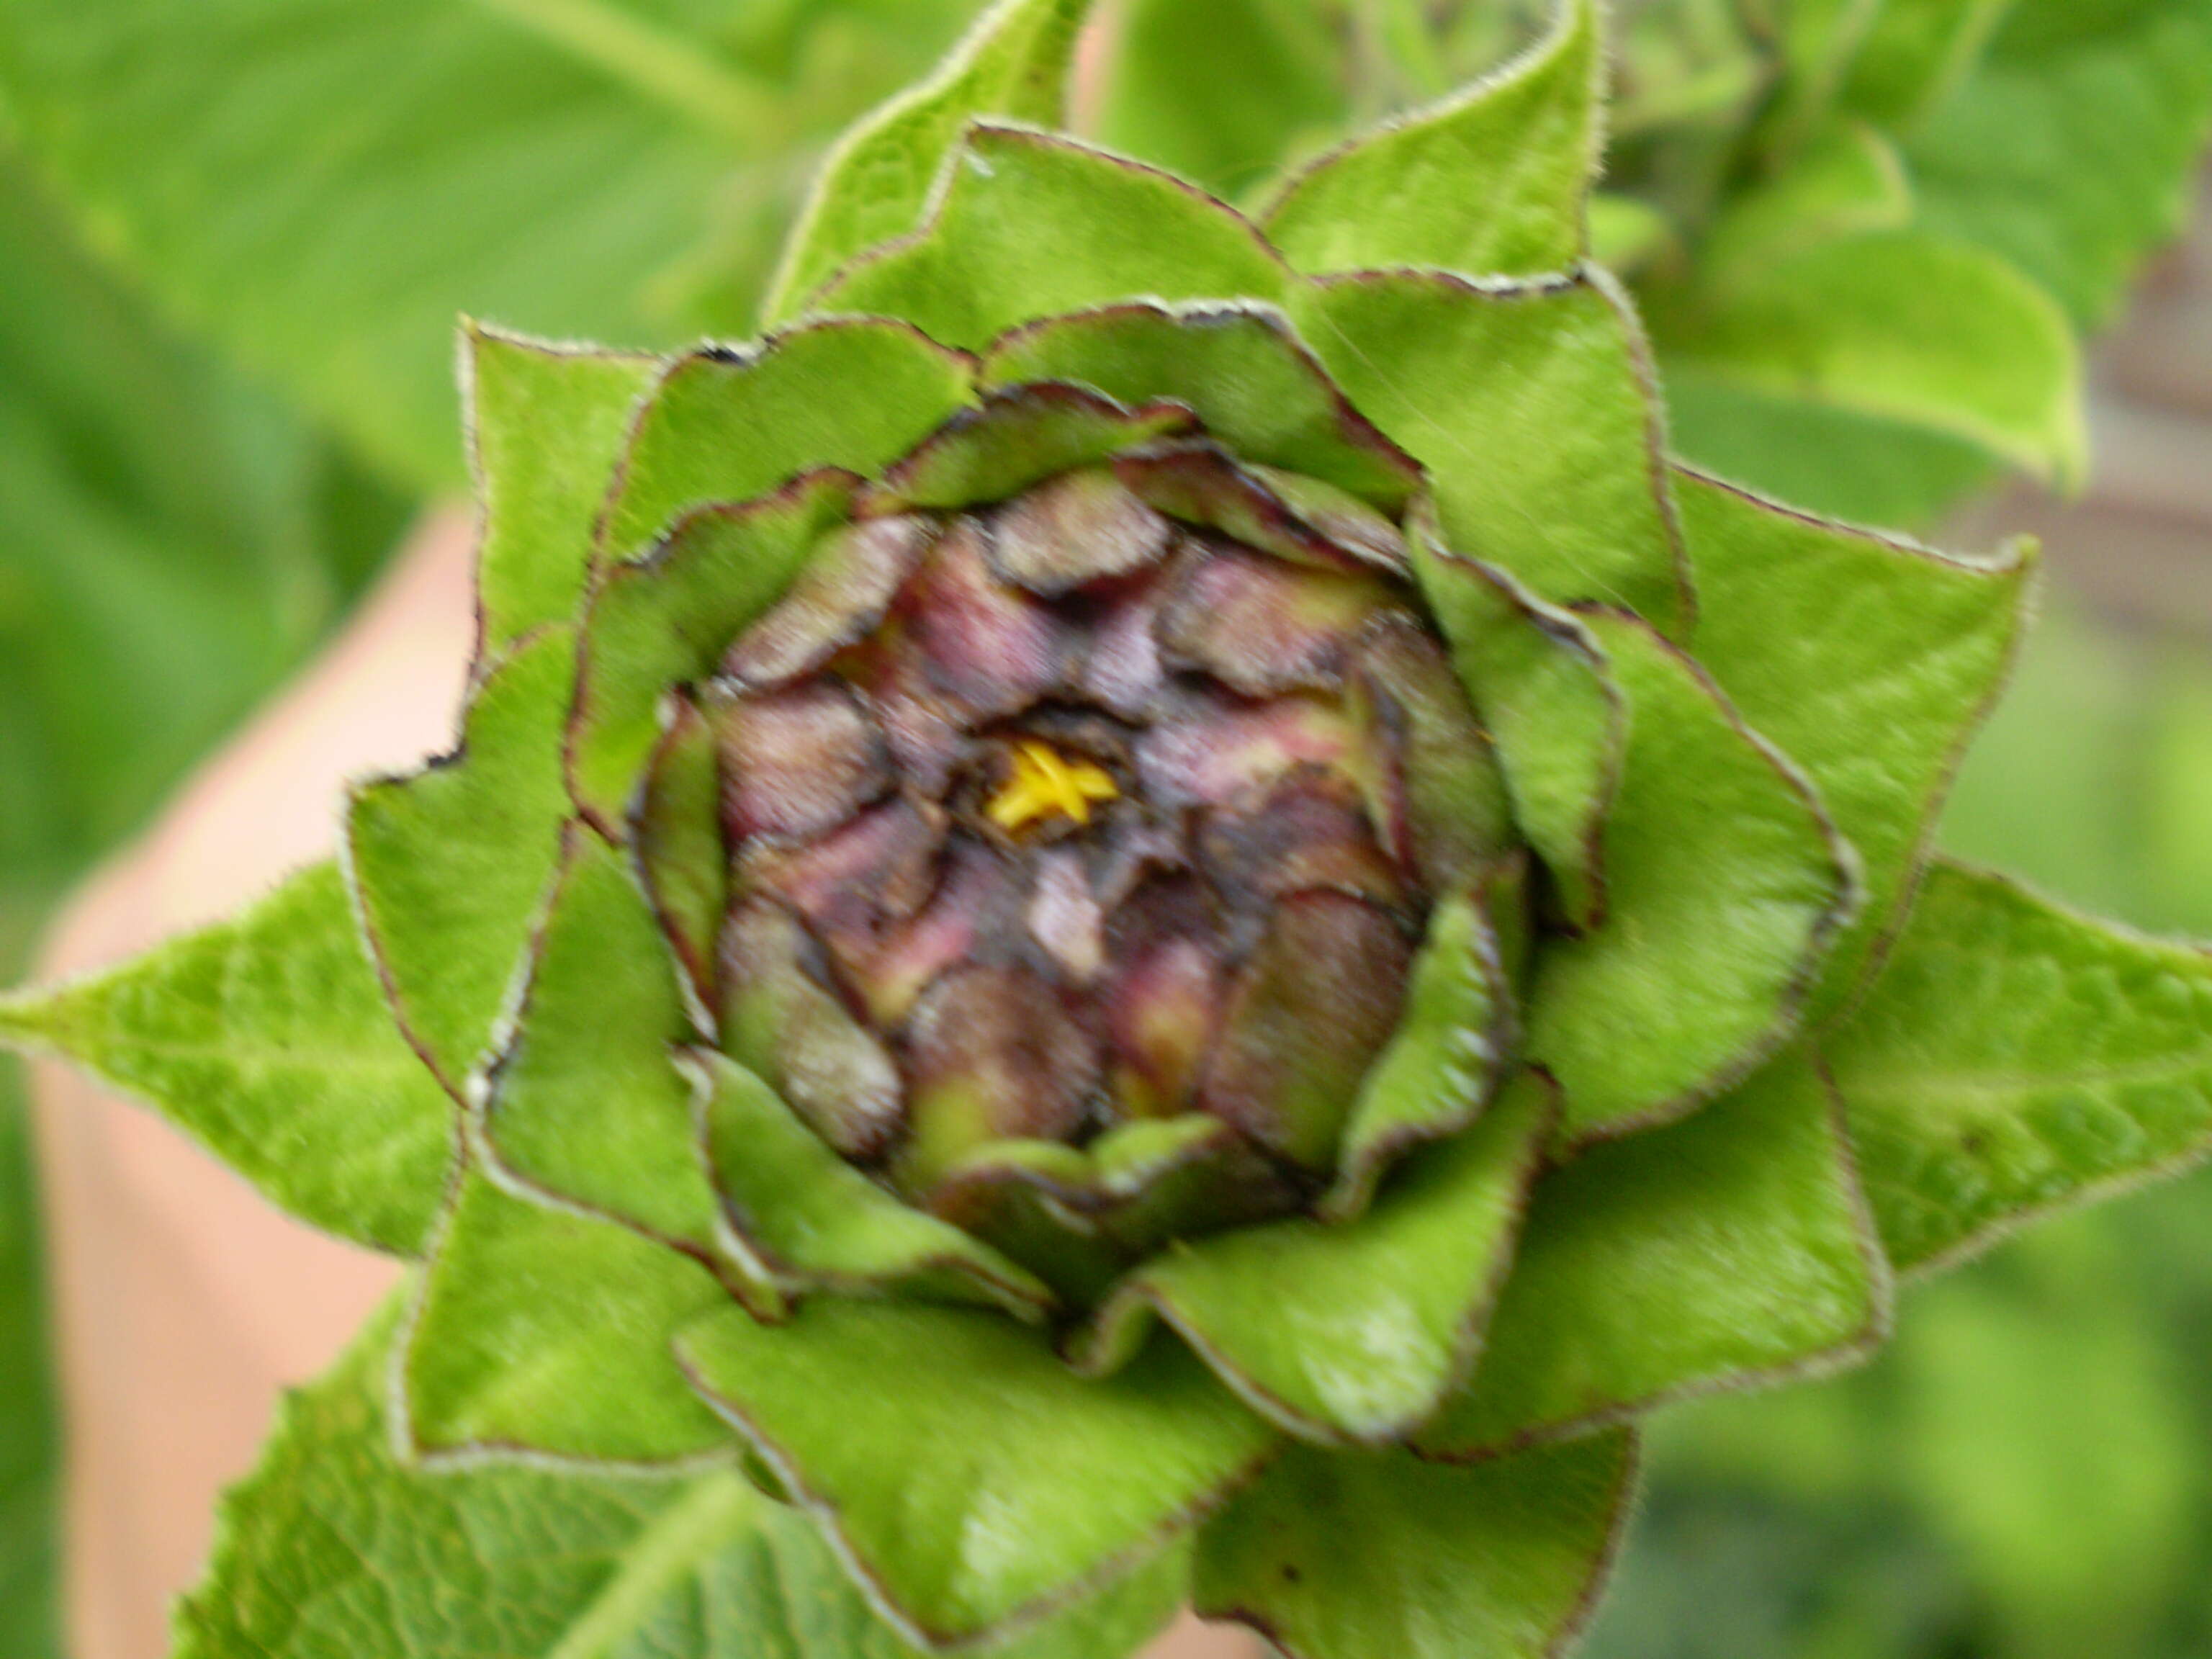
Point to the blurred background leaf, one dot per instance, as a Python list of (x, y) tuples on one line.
[(319, 186), (172, 541), (29, 1427)]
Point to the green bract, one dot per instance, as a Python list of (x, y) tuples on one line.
[(1135, 885), (1867, 235)]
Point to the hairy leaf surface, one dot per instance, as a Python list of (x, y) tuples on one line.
[(1014, 63), (268, 1039), (1348, 1555), (332, 1549), (2017, 1059), (1491, 182), (1727, 1250), (951, 1491), (1872, 662)]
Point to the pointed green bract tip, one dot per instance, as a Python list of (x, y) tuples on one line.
[(1493, 181), (1030, 225), (1072, 380), (267, 1038), (1357, 1558), (1014, 63), (29, 1020)]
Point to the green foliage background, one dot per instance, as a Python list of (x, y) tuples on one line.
[(233, 238), (171, 540)]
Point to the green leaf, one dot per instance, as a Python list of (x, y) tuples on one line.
[(1353, 1330), (992, 1482), (332, 1548), (785, 1593), (1494, 180), (538, 1331), (1019, 436), (1626, 233), (1014, 62), (30, 1418), (322, 189), (2017, 1059), (546, 424), (1913, 51), (1251, 382), (2071, 151), (1531, 405), (1342, 1555), (1221, 93), (585, 1102), (666, 620), (819, 1222), (1818, 457), (267, 1039), (1725, 885), (1850, 182), (172, 542), (727, 426), (175, 541), (1028, 226), (450, 863), (333, 1545), (2052, 1438), (1907, 326), (1728, 1250), (1547, 696), (676, 833), (1453, 1047), (1871, 662), (2177, 753)]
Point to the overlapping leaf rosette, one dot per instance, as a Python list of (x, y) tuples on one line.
[(1151, 861), (1148, 907)]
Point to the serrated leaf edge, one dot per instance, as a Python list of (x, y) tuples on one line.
[(1992, 1234), (740, 1271), (829, 1518), (1568, 18), (1136, 1299), (2020, 557), (472, 333), (784, 300), (957, 159), (742, 354), (1853, 1350), (408, 1446), (792, 489), (1587, 274), (1849, 895), (1561, 624), (22, 1032), (1362, 1168), (1029, 1303), (357, 893), (1356, 430), (1563, 1640)]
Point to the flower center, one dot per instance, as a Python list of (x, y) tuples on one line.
[(1047, 784)]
